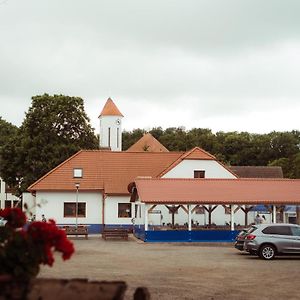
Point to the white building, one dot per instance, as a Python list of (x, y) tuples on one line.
[(96, 182), (7, 199)]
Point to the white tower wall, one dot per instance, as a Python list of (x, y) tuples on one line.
[(111, 132)]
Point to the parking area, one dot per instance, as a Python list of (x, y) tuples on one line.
[(180, 271)]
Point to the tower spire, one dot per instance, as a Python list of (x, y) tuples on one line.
[(111, 126)]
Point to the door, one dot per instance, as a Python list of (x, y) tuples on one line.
[(296, 234)]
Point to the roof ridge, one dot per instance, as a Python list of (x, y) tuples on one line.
[(219, 179), (201, 150)]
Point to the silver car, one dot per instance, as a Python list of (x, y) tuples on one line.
[(268, 240)]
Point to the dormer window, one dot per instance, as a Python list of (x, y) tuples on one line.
[(199, 174), (77, 172)]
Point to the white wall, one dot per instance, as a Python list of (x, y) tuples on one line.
[(115, 138), (111, 210), (186, 168), (52, 206), (5, 196)]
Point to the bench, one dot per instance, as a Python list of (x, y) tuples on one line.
[(115, 233), (80, 230)]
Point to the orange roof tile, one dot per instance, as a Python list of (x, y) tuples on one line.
[(110, 171), (219, 191), (147, 143), (198, 153), (110, 109)]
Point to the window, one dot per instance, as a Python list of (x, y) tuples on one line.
[(109, 137), (278, 230), (7, 204), (77, 173), (70, 209), (118, 137), (124, 210), (199, 174), (296, 231)]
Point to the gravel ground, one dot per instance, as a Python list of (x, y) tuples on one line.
[(180, 270)]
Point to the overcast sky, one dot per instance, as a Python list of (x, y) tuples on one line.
[(224, 65)]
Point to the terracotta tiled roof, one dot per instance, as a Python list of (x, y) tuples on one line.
[(219, 191), (110, 109), (257, 171), (147, 143), (198, 153), (110, 171)]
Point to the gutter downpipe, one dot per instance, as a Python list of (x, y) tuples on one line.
[(103, 210)]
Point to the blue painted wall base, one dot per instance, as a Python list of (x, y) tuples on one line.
[(185, 235)]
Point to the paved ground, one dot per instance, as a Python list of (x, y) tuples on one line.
[(181, 271)]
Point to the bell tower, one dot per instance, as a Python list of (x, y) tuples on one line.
[(110, 127)]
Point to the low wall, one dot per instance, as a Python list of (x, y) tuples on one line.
[(186, 236)]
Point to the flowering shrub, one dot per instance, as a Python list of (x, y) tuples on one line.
[(24, 248)]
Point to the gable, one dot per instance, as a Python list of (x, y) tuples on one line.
[(186, 168), (147, 143), (197, 159)]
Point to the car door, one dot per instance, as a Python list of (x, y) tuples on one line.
[(281, 237), (296, 234)]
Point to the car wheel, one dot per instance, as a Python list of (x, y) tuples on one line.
[(267, 252)]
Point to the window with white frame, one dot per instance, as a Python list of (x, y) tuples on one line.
[(70, 209), (77, 172), (199, 174), (124, 210)]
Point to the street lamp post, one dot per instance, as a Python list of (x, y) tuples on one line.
[(77, 185)]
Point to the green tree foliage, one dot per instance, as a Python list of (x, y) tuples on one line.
[(129, 138), (232, 148), (55, 127), (7, 133)]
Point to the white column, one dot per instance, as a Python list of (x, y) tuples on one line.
[(274, 214), (146, 217), (133, 213), (232, 217), (189, 217)]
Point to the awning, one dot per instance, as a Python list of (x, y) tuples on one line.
[(218, 191)]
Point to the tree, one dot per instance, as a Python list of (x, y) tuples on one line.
[(7, 132), (54, 128)]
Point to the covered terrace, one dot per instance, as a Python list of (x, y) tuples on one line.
[(190, 194)]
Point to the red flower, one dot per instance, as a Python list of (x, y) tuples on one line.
[(14, 216), (23, 250), (49, 235)]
